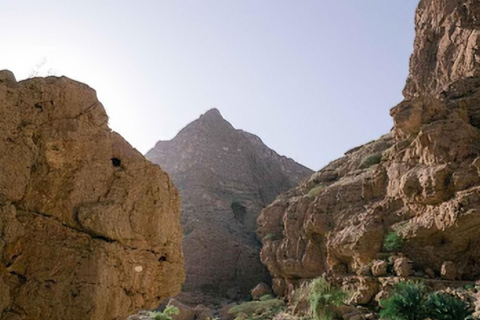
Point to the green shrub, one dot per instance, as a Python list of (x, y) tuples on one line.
[(442, 306), (166, 314), (272, 237), (411, 301), (324, 299), (258, 310), (371, 160), (315, 191), (266, 297), (405, 303), (392, 241), (469, 286)]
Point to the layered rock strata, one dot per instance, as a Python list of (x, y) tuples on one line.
[(89, 229), (225, 177), (410, 199)]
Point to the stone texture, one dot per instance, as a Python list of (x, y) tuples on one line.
[(141, 315), (88, 228), (224, 314), (421, 181), (199, 312), (225, 177), (260, 290), (379, 268), (403, 267), (446, 48), (362, 289), (185, 312), (448, 270)]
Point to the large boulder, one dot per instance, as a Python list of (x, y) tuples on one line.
[(89, 229), (259, 291)]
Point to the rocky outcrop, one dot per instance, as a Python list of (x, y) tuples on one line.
[(225, 177), (410, 198), (89, 229), (259, 291), (446, 47)]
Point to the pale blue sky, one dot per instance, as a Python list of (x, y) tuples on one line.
[(311, 78)]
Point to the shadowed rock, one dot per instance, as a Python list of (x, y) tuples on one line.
[(225, 177)]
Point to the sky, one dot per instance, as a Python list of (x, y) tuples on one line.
[(311, 78)]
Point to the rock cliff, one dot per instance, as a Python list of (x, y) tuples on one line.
[(89, 229), (225, 177), (407, 204)]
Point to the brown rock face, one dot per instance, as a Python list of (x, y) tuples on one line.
[(379, 268), (260, 290), (413, 193), (403, 267), (448, 270), (88, 228), (225, 177), (446, 46)]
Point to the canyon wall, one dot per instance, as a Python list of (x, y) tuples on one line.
[(89, 229), (417, 187)]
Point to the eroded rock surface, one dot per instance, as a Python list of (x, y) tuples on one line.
[(225, 177), (89, 229), (446, 47), (412, 195)]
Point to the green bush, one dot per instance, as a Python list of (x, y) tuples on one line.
[(405, 303), (266, 297), (392, 241), (442, 306), (258, 310), (315, 191), (324, 299), (371, 160), (411, 301), (272, 237), (166, 314), (469, 286)]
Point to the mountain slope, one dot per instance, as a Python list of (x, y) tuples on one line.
[(225, 177)]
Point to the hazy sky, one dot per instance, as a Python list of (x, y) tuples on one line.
[(312, 78)]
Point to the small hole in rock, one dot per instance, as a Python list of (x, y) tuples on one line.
[(162, 258), (39, 106), (116, 162)]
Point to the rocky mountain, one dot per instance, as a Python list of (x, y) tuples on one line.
[(407, 204), (89, 229), (225, 178)]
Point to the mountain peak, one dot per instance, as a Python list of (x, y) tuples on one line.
[(225, 177), (212, 114)]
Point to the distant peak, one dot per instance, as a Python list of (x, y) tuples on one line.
[(212, 114)]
